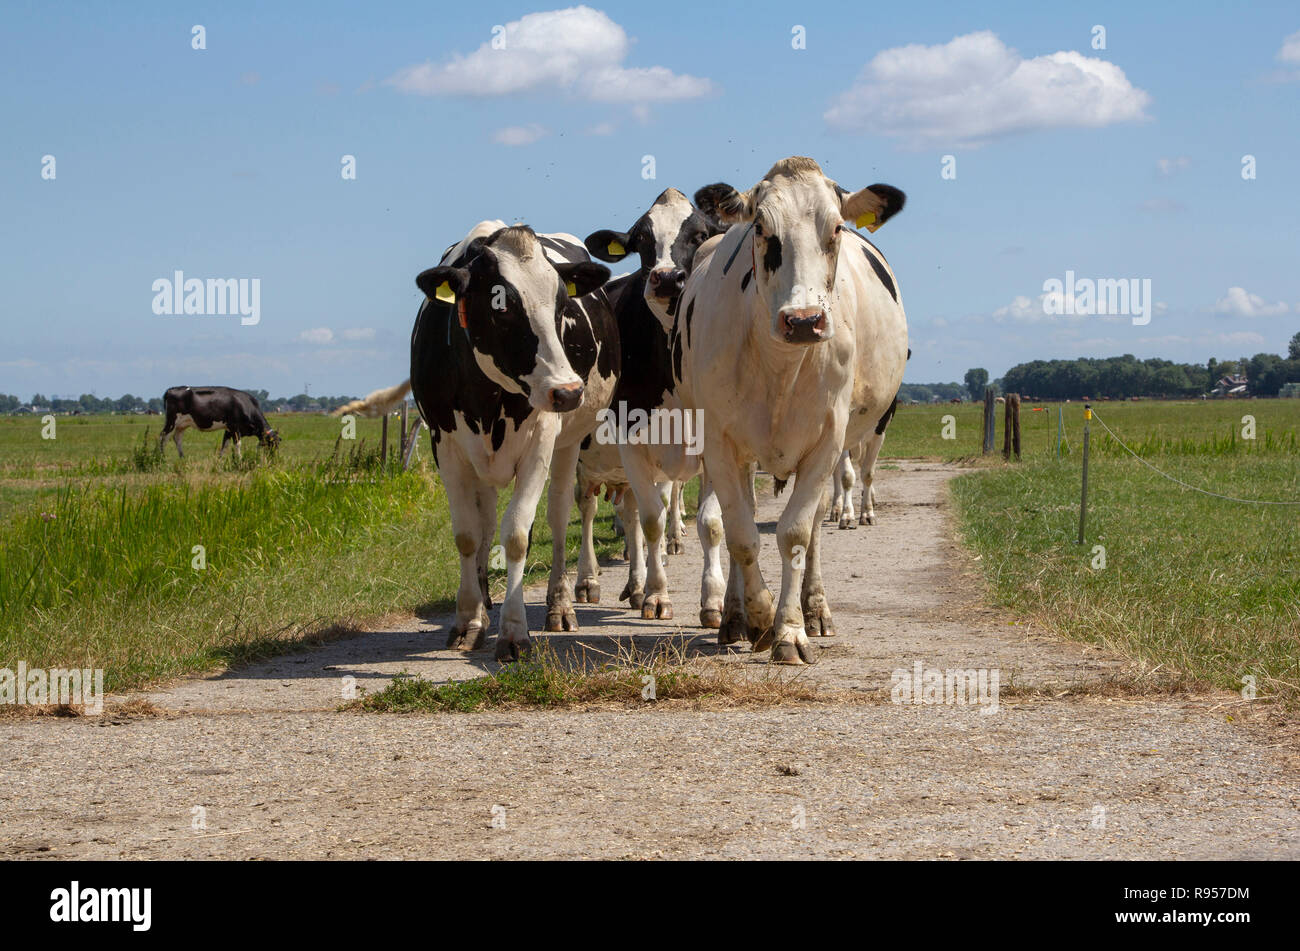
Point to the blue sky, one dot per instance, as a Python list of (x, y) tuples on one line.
[(225, 163)]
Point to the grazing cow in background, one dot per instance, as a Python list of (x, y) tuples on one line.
[(665, 239), (209, 408), (513, 353), (793, 344)]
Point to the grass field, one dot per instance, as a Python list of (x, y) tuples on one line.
[(1203, 587), (97, 545), (97, 537)]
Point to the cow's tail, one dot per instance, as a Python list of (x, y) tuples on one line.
[(378, 403)]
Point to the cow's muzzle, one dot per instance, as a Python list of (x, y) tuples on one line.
[(667, 282), (566, 398), (802, 324)]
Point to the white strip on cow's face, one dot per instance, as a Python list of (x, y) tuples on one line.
[(538, 285), (664, 221)]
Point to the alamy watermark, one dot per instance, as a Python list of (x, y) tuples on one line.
[(655, 427), (35, 686), (975, 686), (1104, 297), (214, 297)]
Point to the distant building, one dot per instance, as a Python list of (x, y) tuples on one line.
[(1235, 384)]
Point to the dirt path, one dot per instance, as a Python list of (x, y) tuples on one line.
[(260, 755)]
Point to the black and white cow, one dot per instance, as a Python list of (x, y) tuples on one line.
[(793, 345), (665, 239), (513, 353), (209, 408)]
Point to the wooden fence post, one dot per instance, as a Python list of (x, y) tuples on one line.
[(383, 443), (1013, 404), (401, 443), (1083, 499), (988, 420)]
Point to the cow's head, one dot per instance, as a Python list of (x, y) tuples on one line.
[(797, 216), (666, 238), (510, 299), (270, 439)]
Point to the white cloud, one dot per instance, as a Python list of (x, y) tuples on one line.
[(321, 335), (359, 333), (1239, 302), (1290, 51), (975, 88), (578, 50), (519, 134), (1167, 166)]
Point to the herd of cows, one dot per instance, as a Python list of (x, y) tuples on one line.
[(761, 323)]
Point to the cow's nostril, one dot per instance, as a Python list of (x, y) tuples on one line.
[(565, 398)]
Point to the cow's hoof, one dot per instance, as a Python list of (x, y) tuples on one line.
[(587, 592), (710, 618), (656, 607), (733, 630), (792, 653), (510, 651), (867, 520), (675, 547), (833, 516), (560, 619), (847, 522), (633, 598), (467, 638), (818, 625), (760, 640)]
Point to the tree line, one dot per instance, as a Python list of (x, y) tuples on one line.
[(88, 403)]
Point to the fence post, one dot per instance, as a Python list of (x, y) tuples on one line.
[(988, 420), (383, 443), (1006, 429), (1083, 499), (1015, 423), (401, 442), (1060, 428)]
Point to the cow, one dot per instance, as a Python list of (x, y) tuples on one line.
[(858, 461), (513, 352), (665, 239), (209, 408), (792, 344)]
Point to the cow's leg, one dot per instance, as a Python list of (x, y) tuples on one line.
[(847, 478), (167, 430), (837, 492), (587, 589), (634, 591), (868, 466), (225, 438), (676, 527), (560, 615), (708, 523), (462, 486), (816, 611), (736, 499), (794, 532), (516, 526), (237, 439), (486, 498), (653, 516), (176, 438)]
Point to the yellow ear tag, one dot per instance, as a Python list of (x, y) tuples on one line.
[(444, 293), (571, 288), (616, 248), (867, 220)]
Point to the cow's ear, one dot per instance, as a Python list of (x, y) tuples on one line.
[(443, 283), (608, 245), (872, 206), (582, 277), (723, 203)]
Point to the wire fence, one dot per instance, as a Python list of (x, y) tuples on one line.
[(1177, 481)]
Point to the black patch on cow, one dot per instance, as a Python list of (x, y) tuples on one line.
[(586, 442), (909, 353), (889, 414), (744, 281), (892, 198), (690, 311), (646, 372), (498, 433), (677, 354), (772, 255), (882, 274)]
